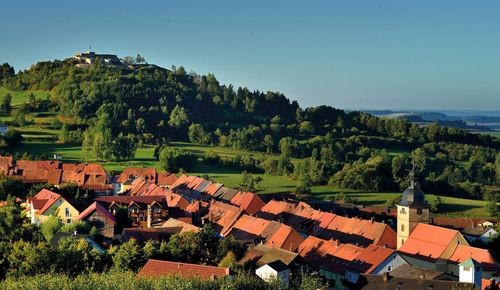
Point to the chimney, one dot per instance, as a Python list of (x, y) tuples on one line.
[(148, 219), (385, 277)]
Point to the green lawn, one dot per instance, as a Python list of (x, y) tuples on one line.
[(271, 184), (492, 133), (20, 97)]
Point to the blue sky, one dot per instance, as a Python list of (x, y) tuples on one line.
[(350, 54)]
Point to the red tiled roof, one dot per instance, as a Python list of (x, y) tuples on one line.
[(463, 252), (370, 258), (428, 241), (97, 207), (154, 268), (276, 207), (166, 179), (94, 169), (45, 195), (223, 215), (54, 176), (285, 238), (149, 174), (252, 225), (248, 201)]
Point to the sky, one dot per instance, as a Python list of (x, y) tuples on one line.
[(352, 54)]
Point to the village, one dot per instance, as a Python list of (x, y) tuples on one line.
[(349, 249)]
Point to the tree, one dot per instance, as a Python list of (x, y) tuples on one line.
[(197, 134), (178, 117), (249, 182), (491, 207), (51, 226), (5, 103), (436, 204), (129, 256), (139, 59), (229, 261), (129, 60), (173, 159)]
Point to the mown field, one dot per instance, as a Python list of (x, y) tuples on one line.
[(270, 184), (20, 97)]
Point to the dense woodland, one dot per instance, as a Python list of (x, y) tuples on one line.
[(113, 110)]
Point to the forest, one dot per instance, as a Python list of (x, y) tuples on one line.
[(111, 111)]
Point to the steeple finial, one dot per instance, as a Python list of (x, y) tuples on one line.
[(412, 175)]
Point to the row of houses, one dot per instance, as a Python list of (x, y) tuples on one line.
[(343, 250)]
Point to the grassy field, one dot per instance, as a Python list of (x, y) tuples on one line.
[(270, 184), (19, 97), (492, 133)]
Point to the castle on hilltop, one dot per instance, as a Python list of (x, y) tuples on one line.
[(90, 58)]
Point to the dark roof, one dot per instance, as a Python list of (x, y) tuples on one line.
[(278, 266), (378, 282), (413, 196)]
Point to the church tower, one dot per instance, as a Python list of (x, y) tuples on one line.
[(412, 210)]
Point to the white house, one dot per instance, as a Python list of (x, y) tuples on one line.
[(479, 234), (274, 270), (470, 272)]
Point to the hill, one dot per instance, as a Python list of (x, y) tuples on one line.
[(110, 111)]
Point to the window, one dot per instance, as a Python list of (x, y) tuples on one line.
[(402, 227), (419, 211), (467, 269), (68, 221), (389, 268), (66, 211), (402, 211)]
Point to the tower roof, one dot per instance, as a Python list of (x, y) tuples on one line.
[(413, 196)]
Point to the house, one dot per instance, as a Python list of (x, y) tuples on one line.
[(46, 204), (99, 217), (442, 249), (285, 238), (373, 260), (479, 234), (249, 202), (166, 179), (155, 268), (262, 254), (144, 211), (273, 271), (222, 215), (129, 174)]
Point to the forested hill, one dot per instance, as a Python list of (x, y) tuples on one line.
[(159, 103), (110, 111)]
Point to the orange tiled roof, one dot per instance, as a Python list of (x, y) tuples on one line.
[(248, 201), (148, 174), (286, 238), (223, 215), (370, 258), (166, 179), (276, 207), (463, 252), (155, 268), (252, 225)]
